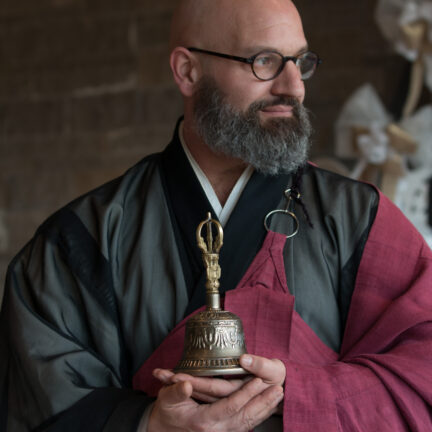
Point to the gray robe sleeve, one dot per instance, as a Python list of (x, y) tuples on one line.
[(64, 365)]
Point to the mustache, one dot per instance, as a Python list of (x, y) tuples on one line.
[(280, 100)]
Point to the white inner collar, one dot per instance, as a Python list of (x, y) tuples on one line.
[(222, 213)]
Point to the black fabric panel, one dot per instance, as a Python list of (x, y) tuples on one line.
[(94, 411), (128, 414), (81, 252), (243, 234), (188, 206), (91, 267), (349, 271)]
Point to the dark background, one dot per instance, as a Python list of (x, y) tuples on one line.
[(86, 91)]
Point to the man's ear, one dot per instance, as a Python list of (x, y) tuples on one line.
[(185, 69)]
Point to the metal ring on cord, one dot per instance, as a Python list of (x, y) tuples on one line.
[(286, 212)]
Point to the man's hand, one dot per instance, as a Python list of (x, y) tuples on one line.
[(272, 372), (175, 410), (232, 405)]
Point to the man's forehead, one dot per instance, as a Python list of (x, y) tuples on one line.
[(231, 23)]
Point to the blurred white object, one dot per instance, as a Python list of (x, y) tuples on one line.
[(374, 146), (374, 149), (363, 109), (412, 197), (365, 131), (394, 18), (419, 126), (407, 24)]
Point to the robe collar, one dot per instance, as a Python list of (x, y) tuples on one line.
[(244, 232)]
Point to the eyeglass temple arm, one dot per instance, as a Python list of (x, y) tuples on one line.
[(227, 56)]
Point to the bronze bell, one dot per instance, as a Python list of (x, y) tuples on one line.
[(214, 338)]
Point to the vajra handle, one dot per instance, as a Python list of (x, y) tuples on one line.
[(210, 254)]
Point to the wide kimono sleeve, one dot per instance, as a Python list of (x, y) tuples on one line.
[(63, 362), (382, 378)]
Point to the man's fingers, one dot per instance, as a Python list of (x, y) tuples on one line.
[(249, 406), (205, 391), (262, 406), (163, 375), (202, 397), (213, 387), (270, 371), (176, 393), (230, 406)]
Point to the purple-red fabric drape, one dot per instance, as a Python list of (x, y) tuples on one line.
[(382, 378)]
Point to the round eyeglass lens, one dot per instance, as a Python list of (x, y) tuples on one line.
[(267, 65), (307, 64)]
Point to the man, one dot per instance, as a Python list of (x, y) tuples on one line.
[(93, 303)]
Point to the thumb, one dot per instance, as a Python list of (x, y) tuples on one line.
[(176, 393), (271, 371)]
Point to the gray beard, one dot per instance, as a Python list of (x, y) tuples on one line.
[(279, 146)]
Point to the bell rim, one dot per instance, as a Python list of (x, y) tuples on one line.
[(212, 371)]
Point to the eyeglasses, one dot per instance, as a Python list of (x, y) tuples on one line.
[(267, 65)]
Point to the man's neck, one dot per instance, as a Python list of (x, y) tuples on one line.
[(222, 171)]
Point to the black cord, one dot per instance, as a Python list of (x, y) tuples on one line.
[(296, 193)]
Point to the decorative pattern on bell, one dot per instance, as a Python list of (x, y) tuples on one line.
[(214, 339)]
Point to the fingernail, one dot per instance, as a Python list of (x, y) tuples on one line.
[(247, 360)]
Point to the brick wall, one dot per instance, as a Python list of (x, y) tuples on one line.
[(86, 91)]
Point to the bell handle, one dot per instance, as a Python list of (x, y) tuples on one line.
[(211, 246)]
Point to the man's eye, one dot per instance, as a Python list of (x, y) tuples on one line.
[(264, 60)]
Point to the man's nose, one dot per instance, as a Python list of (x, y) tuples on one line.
[(289, 82)]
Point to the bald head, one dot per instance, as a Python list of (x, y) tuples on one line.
[(226, 24)]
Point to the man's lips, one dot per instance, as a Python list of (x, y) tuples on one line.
[(278, 110)]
